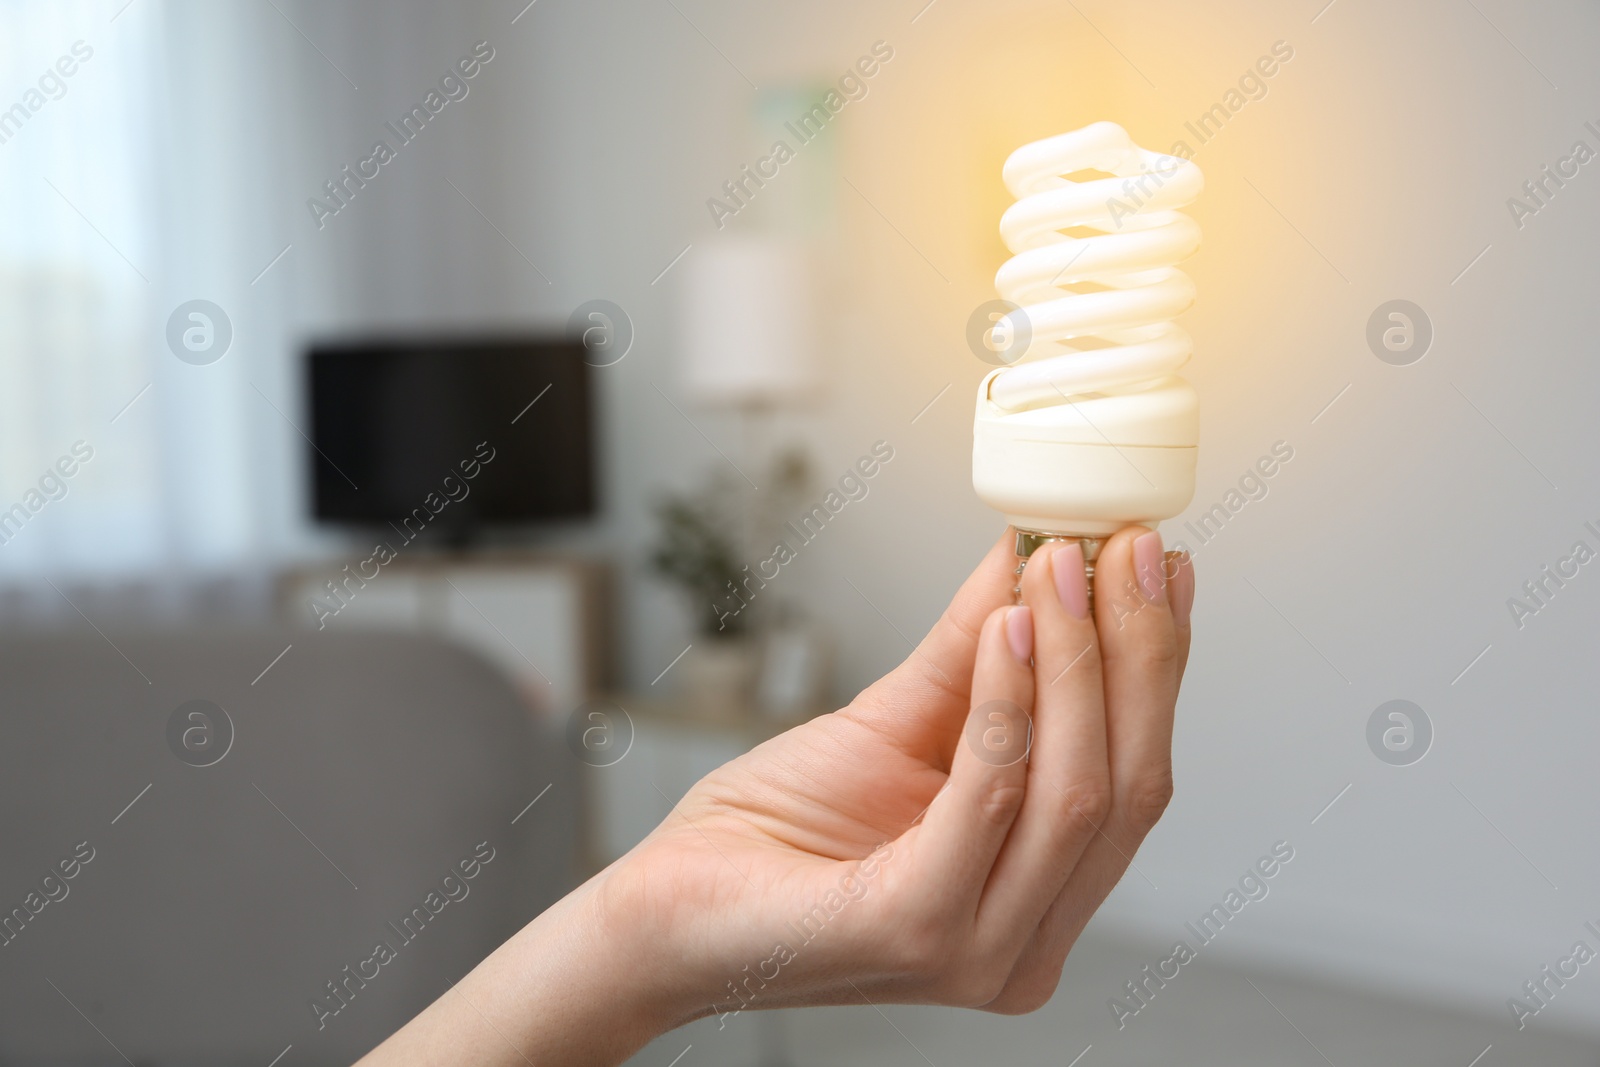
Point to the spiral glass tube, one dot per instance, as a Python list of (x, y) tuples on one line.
[(1087, 428)]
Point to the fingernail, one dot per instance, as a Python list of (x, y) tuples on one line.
[(1147, 560), (1071, 588), (1019, 633), (1182, 588)]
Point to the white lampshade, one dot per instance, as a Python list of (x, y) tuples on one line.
[(748, 329)]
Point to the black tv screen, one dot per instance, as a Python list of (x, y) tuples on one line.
[(507, 421)]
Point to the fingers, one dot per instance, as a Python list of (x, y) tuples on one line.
[(967, 823), (1069, 780), (1140, 658), (1139, 645)]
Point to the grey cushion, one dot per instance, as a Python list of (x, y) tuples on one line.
[(205, 924)]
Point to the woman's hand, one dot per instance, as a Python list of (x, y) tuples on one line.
[(911, 847)]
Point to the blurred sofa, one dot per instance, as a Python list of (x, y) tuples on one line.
[(247, 815)]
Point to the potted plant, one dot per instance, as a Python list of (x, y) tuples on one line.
[(697, 549)]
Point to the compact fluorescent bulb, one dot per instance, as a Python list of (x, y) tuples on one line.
[(1087, 428)]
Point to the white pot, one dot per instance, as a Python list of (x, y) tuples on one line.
[(719, 678)]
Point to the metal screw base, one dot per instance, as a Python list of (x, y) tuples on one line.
[(1029, 542)]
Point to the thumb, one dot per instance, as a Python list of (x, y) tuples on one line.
[(940, 667)]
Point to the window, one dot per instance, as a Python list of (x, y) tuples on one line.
[(80, 478)]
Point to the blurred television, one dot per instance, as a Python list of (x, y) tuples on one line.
[(475, 432)]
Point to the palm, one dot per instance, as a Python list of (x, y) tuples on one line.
[(832, 789), (774, 827), (762, 839)]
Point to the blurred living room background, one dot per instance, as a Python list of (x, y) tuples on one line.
[(225, 313)]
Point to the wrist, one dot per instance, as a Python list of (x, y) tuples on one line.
[(592, 981), (627, 924), (576, 986)]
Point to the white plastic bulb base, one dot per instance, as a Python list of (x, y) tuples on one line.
[(1091, 465)]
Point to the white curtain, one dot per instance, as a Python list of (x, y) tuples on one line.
[(79, 262), (140, 180)]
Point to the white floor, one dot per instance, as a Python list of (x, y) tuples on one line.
[(1208, 1015)]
